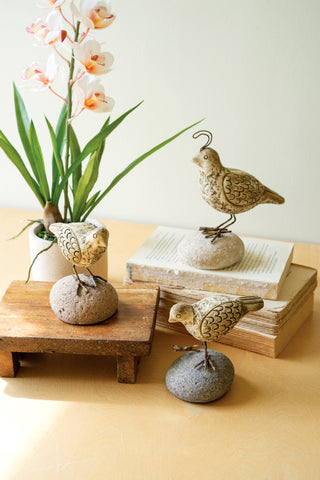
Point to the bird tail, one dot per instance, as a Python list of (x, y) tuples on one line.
[(272, 197), (251, 304)]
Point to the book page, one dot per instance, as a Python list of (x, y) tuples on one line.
[(263, 260)]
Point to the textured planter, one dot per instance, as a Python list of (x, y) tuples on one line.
[(51, 265)]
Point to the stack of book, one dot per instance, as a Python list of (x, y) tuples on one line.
[(265, 270)]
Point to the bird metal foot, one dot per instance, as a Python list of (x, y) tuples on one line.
[(81, 284), (193, 348), (218, 231), (206, 362), (94, 277), (213, 233)]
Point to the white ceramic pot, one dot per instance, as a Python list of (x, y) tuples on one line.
[(51, 265)]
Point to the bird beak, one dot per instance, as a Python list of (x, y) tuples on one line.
[(197, 161)]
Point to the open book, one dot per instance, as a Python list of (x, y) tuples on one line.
[(261, 271)]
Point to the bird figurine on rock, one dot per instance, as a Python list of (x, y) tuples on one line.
[(82, 244), (211, 318), (228, 190)]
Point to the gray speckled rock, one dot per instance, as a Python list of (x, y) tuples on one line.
[(200, 385), (91, 305), (197, 251)]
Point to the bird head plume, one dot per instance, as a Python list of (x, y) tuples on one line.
[(181, 312), (208, 160)]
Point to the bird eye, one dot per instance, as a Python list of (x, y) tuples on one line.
[(206, 157), (178, 315)]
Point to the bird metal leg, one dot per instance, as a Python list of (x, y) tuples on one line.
[(206, 362), (230, 221), (219, 227), (95, 276), (194, 348), (218, 231), (80, 283), (92, 277)]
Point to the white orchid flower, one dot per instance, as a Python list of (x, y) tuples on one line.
[(91, 96), (90, 56), (49, 31), (94, 14), (36, 27), (41, 77), (52, 3)]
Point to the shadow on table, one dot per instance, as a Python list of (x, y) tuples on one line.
[(87, 378)]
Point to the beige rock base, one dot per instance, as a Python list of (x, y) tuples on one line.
[(84, 306), (197, 251)]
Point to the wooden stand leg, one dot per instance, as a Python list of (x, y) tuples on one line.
[(127, 366), (9, 364)]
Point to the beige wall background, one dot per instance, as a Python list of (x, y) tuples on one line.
[(250, 67)]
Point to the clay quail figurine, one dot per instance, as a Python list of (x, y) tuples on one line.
[(228, 190), (82, 244), (211, 318)]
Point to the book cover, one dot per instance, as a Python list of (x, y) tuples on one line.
[(261, 271)]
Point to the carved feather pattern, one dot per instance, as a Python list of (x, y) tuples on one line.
[(242, 189), (230, 190), (220, 320), (69, 245)]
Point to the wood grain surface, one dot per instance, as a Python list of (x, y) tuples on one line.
[(28, 324)]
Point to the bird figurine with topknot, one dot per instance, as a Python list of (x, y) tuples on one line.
[(228, 190), (211, 318), (82, 244)]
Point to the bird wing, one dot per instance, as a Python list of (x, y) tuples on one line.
[(69, 244), (242, 189), (220, 319)]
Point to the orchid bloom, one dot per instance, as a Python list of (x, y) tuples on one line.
[(40, 77), (94, 14), (90, 56), (35, 28), (52, 3), (91, 96), (50, 31)]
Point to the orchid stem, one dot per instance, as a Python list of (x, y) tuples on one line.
[(57, 94), (60, 55), (76, 115), (69, 115), (84, 35), (80, 75), (66, 20), (69, 38)]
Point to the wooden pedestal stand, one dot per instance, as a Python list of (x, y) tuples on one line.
[(28, 324)]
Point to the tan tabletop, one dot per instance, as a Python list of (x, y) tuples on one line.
[(67, 417)]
